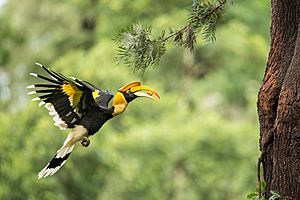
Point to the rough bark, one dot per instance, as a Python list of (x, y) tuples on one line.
[(279, 103)]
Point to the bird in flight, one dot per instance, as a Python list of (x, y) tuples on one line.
[(82, 107)]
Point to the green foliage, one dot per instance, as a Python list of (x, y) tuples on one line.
[(198, 142), (139, 49), (274, 195), (255, 195), (204, 16)]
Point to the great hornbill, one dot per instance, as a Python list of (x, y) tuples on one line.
[(82, 107)]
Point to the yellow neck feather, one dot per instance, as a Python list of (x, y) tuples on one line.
[(119, 104)]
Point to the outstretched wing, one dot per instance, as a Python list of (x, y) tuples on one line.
[(66, 98)]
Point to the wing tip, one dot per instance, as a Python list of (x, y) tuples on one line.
[(33, 74), (39, 64), (36, 99), (30, 86), (32, 92)]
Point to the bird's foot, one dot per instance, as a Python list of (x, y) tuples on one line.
[(85, 141)]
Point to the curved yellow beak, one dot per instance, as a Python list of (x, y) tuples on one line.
[(140, 90), (145, 91)]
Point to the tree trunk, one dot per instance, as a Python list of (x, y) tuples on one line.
[(279, 103)]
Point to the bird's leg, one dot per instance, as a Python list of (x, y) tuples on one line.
[(85, 141)]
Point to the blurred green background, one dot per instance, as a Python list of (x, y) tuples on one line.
[(199, 142)]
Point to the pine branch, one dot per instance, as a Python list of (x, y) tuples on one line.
[(138, 48), (220, 6)]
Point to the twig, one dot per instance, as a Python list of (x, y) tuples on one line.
[(176, 33), (221, 3)]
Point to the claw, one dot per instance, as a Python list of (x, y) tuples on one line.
[(85, 142)]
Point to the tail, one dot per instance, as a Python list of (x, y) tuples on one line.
[(57, 161), (64, 152)]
